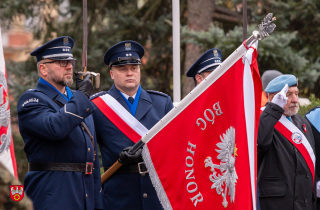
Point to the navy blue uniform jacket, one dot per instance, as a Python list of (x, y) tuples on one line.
[(125, 191), (52, 133)]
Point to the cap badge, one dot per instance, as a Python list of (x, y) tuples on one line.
[(65, 41), (127, 46), (215, 53)]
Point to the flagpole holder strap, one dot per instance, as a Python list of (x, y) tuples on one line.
[(86, 168), (129, 169)]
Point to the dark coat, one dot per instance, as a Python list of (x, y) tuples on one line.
[(52, 133), (125, 191), (284, 178), (316, 134)]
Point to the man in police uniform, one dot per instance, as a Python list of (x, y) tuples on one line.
[(130, 187), (58, 131), (207, 62), (286, 150)]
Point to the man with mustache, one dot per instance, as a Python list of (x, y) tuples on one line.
[(130, 187), (286, 150), (58, 131)]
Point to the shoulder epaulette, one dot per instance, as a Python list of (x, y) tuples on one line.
[(31, 90), (157, 92), (97, 95)]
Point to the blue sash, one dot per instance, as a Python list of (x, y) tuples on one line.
[(132, 107), (69, 93)]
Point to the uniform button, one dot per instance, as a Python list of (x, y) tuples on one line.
[(89, 150), (296, 198), (86, 195), (87, 110), (307, 175), (145, 195), (305, 200)]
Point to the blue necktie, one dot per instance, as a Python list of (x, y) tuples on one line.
[(289, 118), (130, 99)]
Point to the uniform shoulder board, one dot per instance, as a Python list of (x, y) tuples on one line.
[(312, 109), (157, 92), (31, 90), (97, 95)]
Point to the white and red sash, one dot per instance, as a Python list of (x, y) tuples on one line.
[(298, 139), (120, 117)]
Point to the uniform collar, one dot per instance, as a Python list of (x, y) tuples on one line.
[(144, 105), (51, 93)]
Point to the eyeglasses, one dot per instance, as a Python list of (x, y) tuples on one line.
[(64, 63)]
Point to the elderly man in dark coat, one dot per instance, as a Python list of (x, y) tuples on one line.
[(286, 150)]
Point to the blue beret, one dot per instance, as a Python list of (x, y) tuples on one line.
[(123, 53), (209, 61), (56, 49), (278, 83)]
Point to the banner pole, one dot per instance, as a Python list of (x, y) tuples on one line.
[(244, 12), (176, 50), (266, 25)]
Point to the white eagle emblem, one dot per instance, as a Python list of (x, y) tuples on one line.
[(5, 138), (227, 178)]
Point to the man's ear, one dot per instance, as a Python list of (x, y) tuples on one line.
[(198, 78), (43, 69), (111, 73)]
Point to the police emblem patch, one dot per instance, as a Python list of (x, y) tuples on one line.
[(215, 53), (16, 192), (227, 177), (65, 41), (296, 138), (127, 46)]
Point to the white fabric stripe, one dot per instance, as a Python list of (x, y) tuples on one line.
[(65, 110), (124, 114), (291, 127), (249, 107), (58, 47), (208, 60), (5, 157), (206, 67), (57, 55)]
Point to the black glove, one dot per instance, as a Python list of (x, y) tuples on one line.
[(127, 158), (85, 85)]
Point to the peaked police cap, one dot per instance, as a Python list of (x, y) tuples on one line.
[(208, 61), (123, 53), (56, 49)]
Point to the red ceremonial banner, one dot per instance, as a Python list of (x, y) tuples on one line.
[(7, 156), (201, 157)]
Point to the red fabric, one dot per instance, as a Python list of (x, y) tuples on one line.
[(257, 94), (168, 149), (116, 120), (13, 158)]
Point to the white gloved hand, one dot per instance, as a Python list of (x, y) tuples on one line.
[(280, 98)]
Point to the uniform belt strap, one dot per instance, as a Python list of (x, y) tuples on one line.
[(129, 169), (86, 168)]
